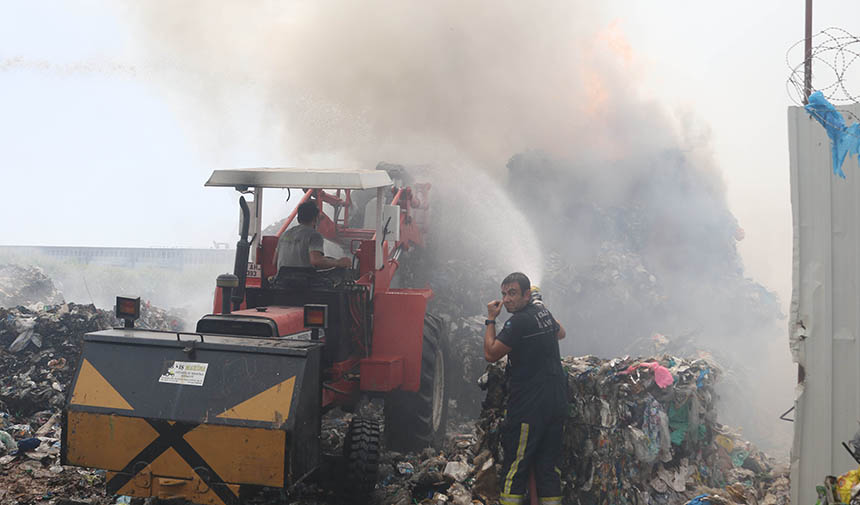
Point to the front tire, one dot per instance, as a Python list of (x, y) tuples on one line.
[(361, 448), (417, 420)]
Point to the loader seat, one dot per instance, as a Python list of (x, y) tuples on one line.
[(295, 277), (266, 256), (301, 278)]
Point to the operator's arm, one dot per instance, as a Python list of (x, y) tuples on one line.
[(321, 262), (560, 334), (494, 348)]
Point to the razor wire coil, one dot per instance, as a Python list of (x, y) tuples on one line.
[(834, 54)]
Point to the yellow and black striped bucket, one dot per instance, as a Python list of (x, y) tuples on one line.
[(183, 415)]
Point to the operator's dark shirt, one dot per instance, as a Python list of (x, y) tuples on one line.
[(538, 384)]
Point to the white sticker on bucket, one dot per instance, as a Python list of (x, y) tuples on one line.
[(187, 373)]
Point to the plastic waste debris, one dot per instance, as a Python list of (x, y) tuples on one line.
[(25, 327), (662, 376), (28, 444), (459, 494), (844, 140), (845, 483), (20, 430), (457, 470), (7, 443)]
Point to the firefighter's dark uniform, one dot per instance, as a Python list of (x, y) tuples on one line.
[(532, 434)]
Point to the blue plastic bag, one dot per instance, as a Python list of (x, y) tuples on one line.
[(844, 140)]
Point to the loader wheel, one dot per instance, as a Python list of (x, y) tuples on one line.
[(414, 421), (361, 449)]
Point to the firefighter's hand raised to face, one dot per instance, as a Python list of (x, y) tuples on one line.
[(493, 309)]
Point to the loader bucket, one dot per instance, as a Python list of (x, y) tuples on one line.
[(193, 416)]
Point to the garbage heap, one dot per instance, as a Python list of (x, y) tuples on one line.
[(25, 285), (39, 350), (641, 431)]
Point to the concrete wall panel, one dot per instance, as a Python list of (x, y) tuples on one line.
[(825, 310)]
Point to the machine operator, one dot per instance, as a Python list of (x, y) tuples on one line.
[(537, 407), (302, 245)]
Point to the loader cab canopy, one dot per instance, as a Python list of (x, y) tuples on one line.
[(307, 178), (254, 180)]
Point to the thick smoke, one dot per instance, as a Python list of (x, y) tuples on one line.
[(626, 212), (425, 83)]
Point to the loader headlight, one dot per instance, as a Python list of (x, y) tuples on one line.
[(128, 309), (316, 315)]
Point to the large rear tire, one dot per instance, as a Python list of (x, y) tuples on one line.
[(361, 448), (417, 420)]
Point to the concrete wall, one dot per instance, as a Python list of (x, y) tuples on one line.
[(128, 256), (825, 311)]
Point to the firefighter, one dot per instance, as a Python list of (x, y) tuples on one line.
[(302, 245), (532, 432)]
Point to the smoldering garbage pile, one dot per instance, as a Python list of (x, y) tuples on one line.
[(638, 431), (40, 341), (645, 431)]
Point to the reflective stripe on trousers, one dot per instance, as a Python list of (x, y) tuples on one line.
[(552, 500), (512, 499), (521, 450)]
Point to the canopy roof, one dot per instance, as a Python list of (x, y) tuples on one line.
[(310, 178)]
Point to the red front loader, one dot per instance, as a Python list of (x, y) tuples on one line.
[(237, 404)]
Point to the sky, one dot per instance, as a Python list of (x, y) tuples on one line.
[(107, 133)]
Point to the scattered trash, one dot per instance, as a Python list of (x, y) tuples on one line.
[(28, 444), (459, 494), (7, 442), (49, 425), (20, 430), (662, 376), (457, 470), (439, 498)]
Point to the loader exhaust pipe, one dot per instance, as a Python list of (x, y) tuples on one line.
[(243, 249)]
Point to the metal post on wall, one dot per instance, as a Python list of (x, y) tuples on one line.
[(807, 55)]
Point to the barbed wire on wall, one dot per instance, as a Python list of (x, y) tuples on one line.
[(834, 73)]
